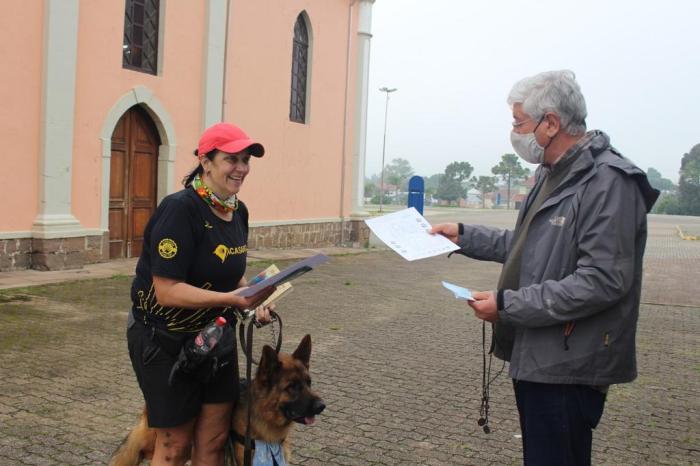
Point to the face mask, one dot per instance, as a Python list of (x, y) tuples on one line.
[(527, 147)]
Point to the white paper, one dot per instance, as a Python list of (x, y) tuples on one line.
[(407, 233), (459, 292)]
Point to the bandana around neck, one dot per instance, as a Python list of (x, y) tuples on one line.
[(222, 205)]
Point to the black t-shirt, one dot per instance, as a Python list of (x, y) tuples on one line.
[(184, 240)]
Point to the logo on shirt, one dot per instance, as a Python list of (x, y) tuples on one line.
[(223, 251), (557, 221), (167, 248), (207, 224)]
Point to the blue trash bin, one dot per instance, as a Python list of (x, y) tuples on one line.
[(416, 193)]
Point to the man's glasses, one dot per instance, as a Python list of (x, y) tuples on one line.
[(518, 124)]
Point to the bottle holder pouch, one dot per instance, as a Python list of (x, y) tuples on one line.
[(204, 367)]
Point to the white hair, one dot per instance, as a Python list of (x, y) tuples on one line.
[(552, 91)]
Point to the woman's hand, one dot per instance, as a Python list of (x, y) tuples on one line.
[(250, 302), (448, 230), (262, 314)]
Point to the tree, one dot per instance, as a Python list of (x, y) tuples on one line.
[(510, 170), (431, 185), (485, 185), (459, 171), (432, 182), (451, 187), (371, 189), (667, 204), (397, 172), (689, 183), (659, 182)]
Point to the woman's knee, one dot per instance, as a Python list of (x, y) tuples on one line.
[(212, 440), (213, 427)]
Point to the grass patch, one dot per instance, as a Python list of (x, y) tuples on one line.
[(22, 326), (53, 314), (6, 298)]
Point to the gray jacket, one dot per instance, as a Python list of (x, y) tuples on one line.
[(582, 265)]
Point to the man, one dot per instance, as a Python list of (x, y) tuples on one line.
[(566, 306)]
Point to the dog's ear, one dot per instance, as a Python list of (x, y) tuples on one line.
[(269, 366), (303, 351)]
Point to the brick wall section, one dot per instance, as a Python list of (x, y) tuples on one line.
[(15, 254), (52, 254), (69, 253), (359, 234), (309, 235), (73, 253), (97, 248)]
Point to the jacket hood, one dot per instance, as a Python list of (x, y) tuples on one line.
[(596, 149), (625, 165)]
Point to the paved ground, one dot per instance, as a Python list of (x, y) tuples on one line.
[(397, 361)]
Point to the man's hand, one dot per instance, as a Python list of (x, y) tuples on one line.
[(485, 307), (448, 230)]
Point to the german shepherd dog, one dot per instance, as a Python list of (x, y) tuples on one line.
[(280, 395)]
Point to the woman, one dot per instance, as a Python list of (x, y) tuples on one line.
[(191, 268)]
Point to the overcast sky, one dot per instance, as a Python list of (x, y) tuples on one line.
[(454, 62)]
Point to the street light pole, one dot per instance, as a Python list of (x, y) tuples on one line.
[(386, 112)]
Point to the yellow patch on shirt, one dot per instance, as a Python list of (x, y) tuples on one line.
[(222, 251), (167, 248)]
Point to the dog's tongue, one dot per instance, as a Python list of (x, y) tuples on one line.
[(309, 420)]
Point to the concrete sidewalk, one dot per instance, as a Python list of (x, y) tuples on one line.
[(24, 278)]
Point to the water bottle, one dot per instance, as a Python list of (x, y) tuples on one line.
[(208, 337)]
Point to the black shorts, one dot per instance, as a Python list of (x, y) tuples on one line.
[(153, 358)]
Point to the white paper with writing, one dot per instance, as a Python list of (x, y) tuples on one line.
[(407, 233)]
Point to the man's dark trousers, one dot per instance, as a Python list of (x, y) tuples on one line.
[(557, 422)]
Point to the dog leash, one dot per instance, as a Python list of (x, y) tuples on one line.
[(246, 337), (274, 318)]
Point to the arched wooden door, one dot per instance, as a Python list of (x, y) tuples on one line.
[(133, 182)]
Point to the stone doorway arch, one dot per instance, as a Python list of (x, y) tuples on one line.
[(148, 102), (133, 181)]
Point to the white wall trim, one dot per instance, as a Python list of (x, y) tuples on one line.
[(161, 37), (50, 235), (214, 61), (67, 233), (60, 55), (15, 234), (364, 37), (144, 97)]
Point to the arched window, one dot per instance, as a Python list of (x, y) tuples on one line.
[(300, 64), (140, 48)]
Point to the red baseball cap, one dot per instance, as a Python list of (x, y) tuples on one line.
[(227, 138)]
